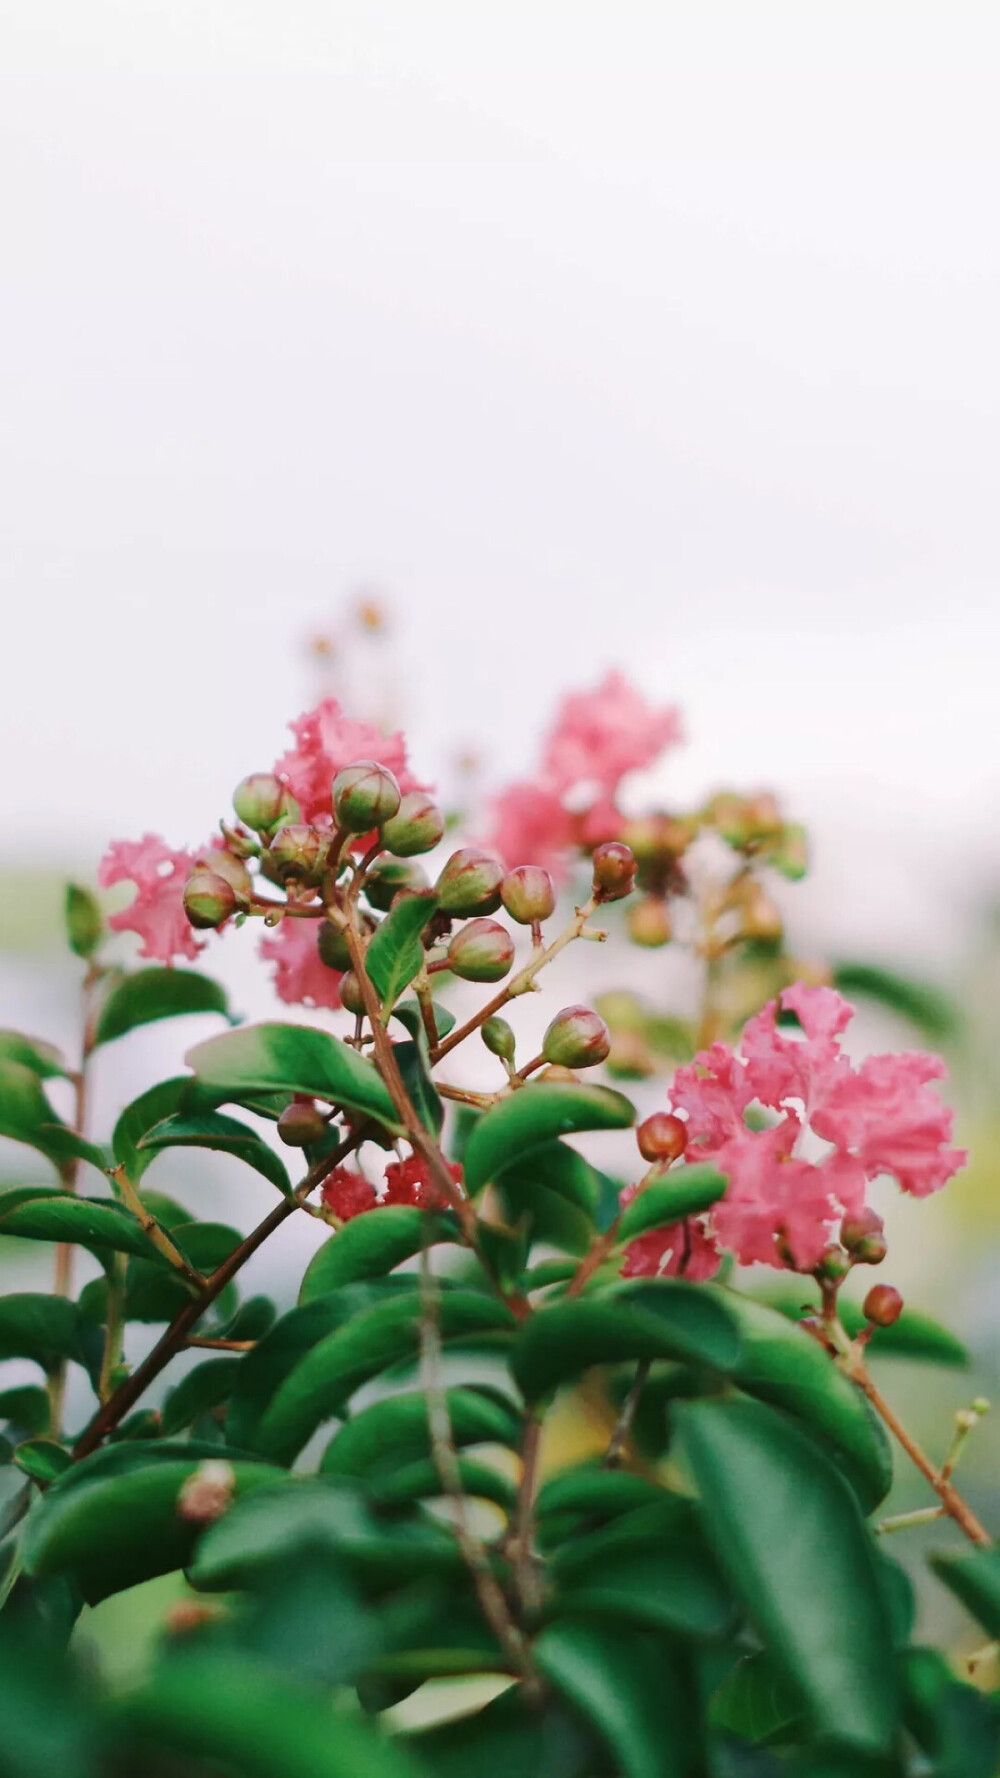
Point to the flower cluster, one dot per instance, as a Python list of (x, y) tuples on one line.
[(347, 1193), (831, 1128)]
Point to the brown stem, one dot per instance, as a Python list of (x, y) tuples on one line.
[(157, 1235), (950, 1498), (520, 1544), (623, 1425), (176, 1335)]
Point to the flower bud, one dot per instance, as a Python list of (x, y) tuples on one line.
[(364, 795), (834, 1264), (614, 871), (388, 876), (332, 946), (482, 951), (662, 1137), (470, 883), (301, 1123), (499, 1038), (298, 851), (863, 1236), (557, 1075), (576, 1038), (528, 893), (417, 826), (791, 855), (648, 923), (259, 801), (761, 918), (208, 899), (350, 993), (883, 1305), (659, 839), (84, 920), (762, 817), (728, 814), (207, 1493), (232, 870)]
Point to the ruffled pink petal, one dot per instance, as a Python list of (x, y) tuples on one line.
[(528, 825), (300, 975), (325, 741), (156, 913), (600, 735)]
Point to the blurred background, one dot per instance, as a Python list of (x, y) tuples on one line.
[(573, 336)]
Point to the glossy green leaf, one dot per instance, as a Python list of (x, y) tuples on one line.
[(213, 1129), (397, 1430), (44, 1213), (295, 1059), (558, 1168), (677, 1588), (922, 1003), (623, 1686), (510, 1738), (914, 1335), (326, 1378), (371, 1245), (32, 1052), (142, 1115), (661, 1318), (43, 1459), (26, 1408), (955, 1724), (205, 1387), (512, 1129), (216, 1709), (408, 1013), (416, 1075), (150, 994), (395, 954), (44, 1328), (112, 1531), (592, 1493), (155, 1292), (974, 1577), (756, 1702), (26, 1116), (788, 1534), (419, 1480), (687, 1191)]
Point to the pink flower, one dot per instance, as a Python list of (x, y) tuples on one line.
[(347, 1193), (879, 1117), (600, 735), (326, 741), (157, 911), (684, 1249), (530, 826), (300, 976), (410, 1182)]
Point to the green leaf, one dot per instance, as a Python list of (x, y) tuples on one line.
[(155, 1292), (589, 1493), (914, 1335), (954, 1723), (512, 1129), (510, 1738), (26, 1408), (44, 1213), (326, 1378), (756, 1702), (676, 1588), (32, 1052), (659, 1318), (624, 1687), (558, 1168), (923, 1004), (214, 1708), (788, 1534), (43, 1459), (112, 1531), (411, 1060), (278, 1352), (84, 920), (205, 1387), (974, 1577), (395, 954), (295, 1059), (26, 1116), (150, 994), (213, 1129), (143, 1114), (370, 1245), (397, 1431), (419, 1480), (686, 1191), (781, 1363), (408, 1013), (44, 1328)]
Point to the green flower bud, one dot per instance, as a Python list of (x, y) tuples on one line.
[(482, 951), (388, 876), (233, 870), (658, 839), (301, 1123), (499, 1038), (662, 1137), (470, 883), (528, 893), (614, 871), (834, 1264), (883, 1305), (332, 942), (364, 795), (864, 1237), (84, 920), (648, 923), (576, 1038), (417, 826), (208, 898), (791, 854), (260, 800), (350, 993), (298, 851)]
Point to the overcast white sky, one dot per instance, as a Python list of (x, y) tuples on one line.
[(649, 333)]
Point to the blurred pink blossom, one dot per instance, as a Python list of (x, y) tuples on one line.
[(157, 911)]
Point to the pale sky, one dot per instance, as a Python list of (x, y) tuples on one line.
[(663, 335)]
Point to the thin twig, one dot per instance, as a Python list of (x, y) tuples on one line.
[(519, 983), (155, 1231), (623, 1425)]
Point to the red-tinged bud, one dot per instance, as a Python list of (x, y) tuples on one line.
[(614, 871), (657, 839), (470, 883), (364, 795), (499, 1038), (557, 1075), (883, 1305), (576, 1038), (662, 1137), (864, 1237), (260, 800), (761, 918), (482, 951), (727, 813), (301, 1123), (233, 870), (350, 993), (207, 1493), (762, 817), (648, 923), (834, 1264), (298, 851), (208, 899), (791, 855), (528, 893), (332, 942), (388, 876), (417, 826)]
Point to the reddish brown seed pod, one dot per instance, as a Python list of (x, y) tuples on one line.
[(662, 1137)]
